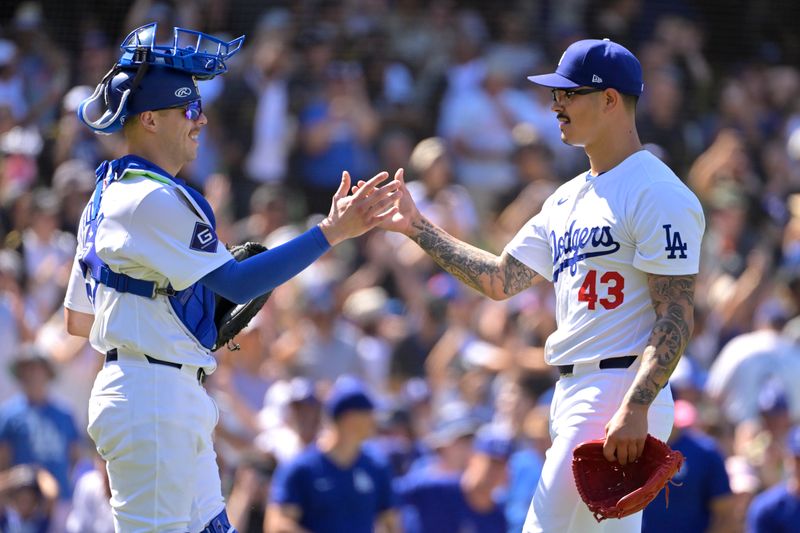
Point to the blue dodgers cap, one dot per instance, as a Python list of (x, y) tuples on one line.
[(494, 441), (347, 394), (596, 63)]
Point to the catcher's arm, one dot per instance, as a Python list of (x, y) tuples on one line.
[(673, 302), (78, 324), (350, 216)]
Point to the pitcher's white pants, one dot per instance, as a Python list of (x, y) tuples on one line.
[(582, 405), (153, 426)]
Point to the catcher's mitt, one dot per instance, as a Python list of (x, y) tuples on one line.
[(615, 491), (230, 317)]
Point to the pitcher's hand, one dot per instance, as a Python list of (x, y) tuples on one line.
[(353, 215), (403, 219)]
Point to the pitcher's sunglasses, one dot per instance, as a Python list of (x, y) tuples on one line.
[(564, 96), (191, 111)]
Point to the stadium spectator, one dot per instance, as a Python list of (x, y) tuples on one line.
[(702, 502), (335, 486)]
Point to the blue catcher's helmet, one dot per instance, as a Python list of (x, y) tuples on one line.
[(150, 76)]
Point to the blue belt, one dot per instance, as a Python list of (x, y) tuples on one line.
[(112, 355), (612, 362)]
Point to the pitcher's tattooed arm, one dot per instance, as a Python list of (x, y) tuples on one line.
[(496, 277), (673, 302)]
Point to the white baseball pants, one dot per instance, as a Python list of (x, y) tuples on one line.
[(153, 426), (582, 405)]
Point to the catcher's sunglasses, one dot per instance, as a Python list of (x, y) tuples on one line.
[(191, 111), (564, 96)]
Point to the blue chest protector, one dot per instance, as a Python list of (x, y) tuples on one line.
[(194, 305)]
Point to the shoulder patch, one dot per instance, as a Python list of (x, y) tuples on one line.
[(204, 239)]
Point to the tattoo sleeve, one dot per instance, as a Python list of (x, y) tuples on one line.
[(673, 302), (496, 277)]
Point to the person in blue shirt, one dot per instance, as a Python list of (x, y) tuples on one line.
[(517, 406), (702, 500), (777, 510), (36, 431), (33, 429), (438, 501), (334, 486)]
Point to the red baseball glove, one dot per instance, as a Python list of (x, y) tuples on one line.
[(615, 491)]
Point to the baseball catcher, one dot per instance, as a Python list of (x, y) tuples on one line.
[(154, 290)]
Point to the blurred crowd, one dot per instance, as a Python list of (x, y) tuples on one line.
[(437, 87)]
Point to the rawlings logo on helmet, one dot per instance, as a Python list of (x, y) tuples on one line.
[(183, 92)]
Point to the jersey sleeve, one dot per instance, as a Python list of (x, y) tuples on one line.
[(667, 228), (167, 236), (76, 298), (531, 246)]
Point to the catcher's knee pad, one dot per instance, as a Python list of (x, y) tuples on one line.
[(220, 524)]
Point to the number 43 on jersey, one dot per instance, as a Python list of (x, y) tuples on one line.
[(614, 284)]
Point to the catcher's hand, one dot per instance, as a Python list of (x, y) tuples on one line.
[(612, 490), (230, 317)]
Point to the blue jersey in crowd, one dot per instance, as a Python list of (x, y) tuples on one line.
[(434, 502), (41, 435), (524, 471), (701, 479), (776, 510), (334, 499), (343, 151)]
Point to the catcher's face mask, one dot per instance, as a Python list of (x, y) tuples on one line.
[(149, 76)]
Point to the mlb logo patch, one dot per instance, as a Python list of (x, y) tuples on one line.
[(203, 239)]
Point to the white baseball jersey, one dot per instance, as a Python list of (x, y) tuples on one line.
[(148, 231), (596, 239)]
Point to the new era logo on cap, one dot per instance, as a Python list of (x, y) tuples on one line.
[(598, 63)]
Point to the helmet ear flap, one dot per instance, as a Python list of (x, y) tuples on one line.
[(115, 88), (114, 91)]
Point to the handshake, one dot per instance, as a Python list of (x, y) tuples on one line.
[(357, 208)]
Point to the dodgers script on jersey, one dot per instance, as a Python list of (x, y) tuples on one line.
[(596, 239), (150, 231)]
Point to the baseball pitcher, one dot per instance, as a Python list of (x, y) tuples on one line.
[(621, 245)]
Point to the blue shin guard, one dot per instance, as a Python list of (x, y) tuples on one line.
[(220, 524)]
